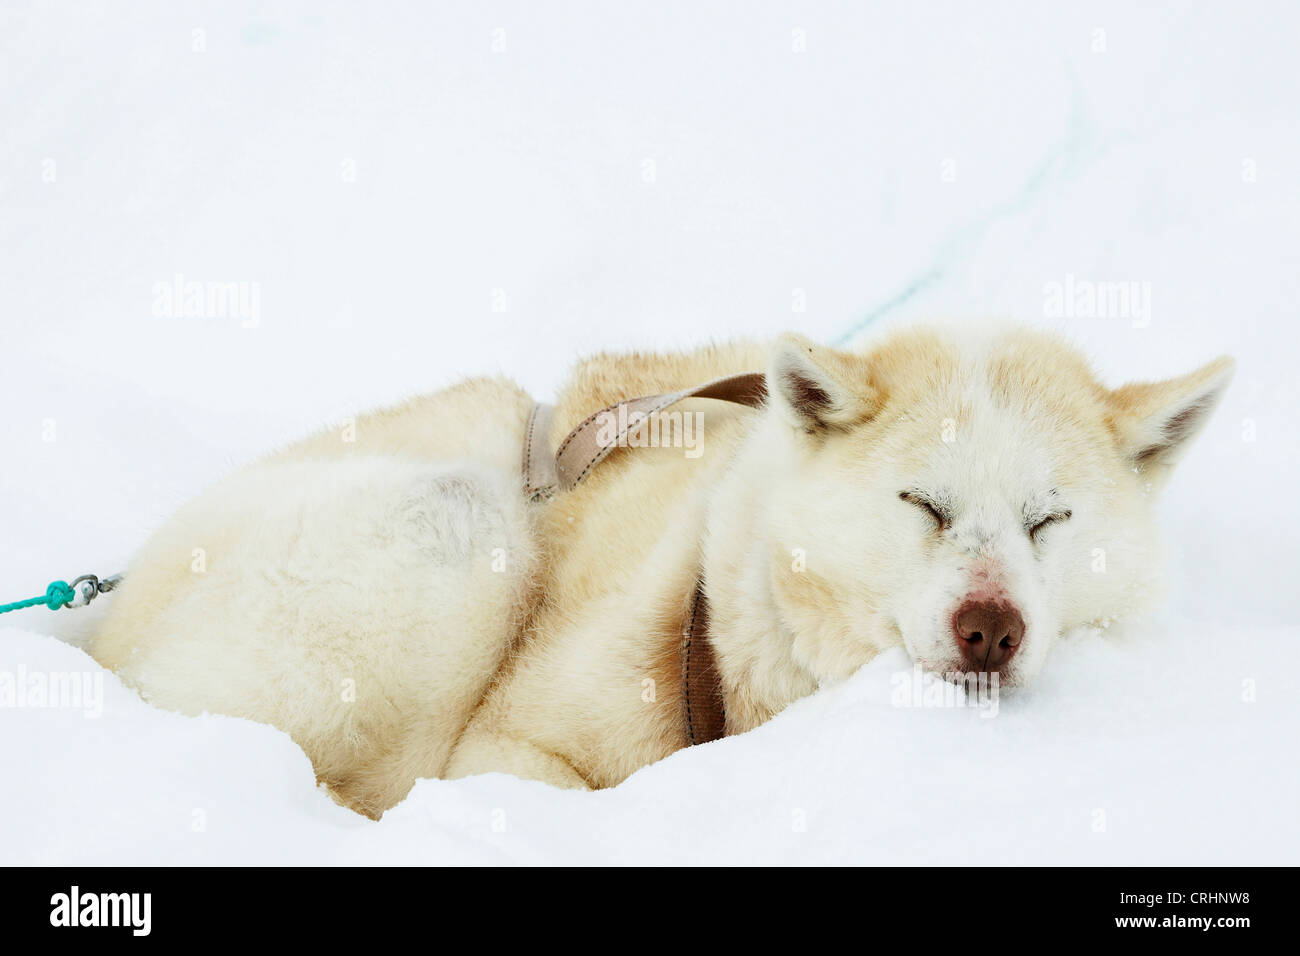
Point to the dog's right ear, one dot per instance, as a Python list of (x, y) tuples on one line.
[(817, 388)]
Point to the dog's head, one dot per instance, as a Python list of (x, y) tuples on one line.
[(971, 500)]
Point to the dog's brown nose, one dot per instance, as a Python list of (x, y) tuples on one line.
[(987, 633)]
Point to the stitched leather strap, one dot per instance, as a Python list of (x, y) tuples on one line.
[(611, 427), (540, 478), (586, 447)]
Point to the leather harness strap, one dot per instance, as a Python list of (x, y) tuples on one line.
[(591, 440), (540, 478), (587, 446), (706, 717)]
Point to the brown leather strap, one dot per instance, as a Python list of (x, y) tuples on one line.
[(587, 446), (540, 479), (702, 702), (592, 440)]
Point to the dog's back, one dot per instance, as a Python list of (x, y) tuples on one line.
[(358, 590)]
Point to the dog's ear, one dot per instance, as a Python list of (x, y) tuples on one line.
[(816, 388), (1156, 421)]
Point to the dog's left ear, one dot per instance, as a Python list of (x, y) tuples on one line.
[(818, 388), (1156, 421)]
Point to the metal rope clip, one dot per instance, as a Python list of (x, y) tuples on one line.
[(88, 587)]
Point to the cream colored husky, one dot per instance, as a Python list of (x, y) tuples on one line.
[(392, 600)]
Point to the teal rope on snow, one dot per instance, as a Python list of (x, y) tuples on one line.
[(58, 595)]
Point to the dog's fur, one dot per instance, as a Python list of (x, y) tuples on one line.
[(396, 606)]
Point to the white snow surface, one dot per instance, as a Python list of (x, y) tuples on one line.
[(648, 175)]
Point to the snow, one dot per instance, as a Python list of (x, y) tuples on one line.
[(650, 175)]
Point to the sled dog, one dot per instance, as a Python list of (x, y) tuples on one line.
[(395, 601)]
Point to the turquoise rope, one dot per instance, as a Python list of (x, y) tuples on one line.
[(57, 595)]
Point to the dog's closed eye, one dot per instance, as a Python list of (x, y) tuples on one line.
[(936, 511), (1037, 524)]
